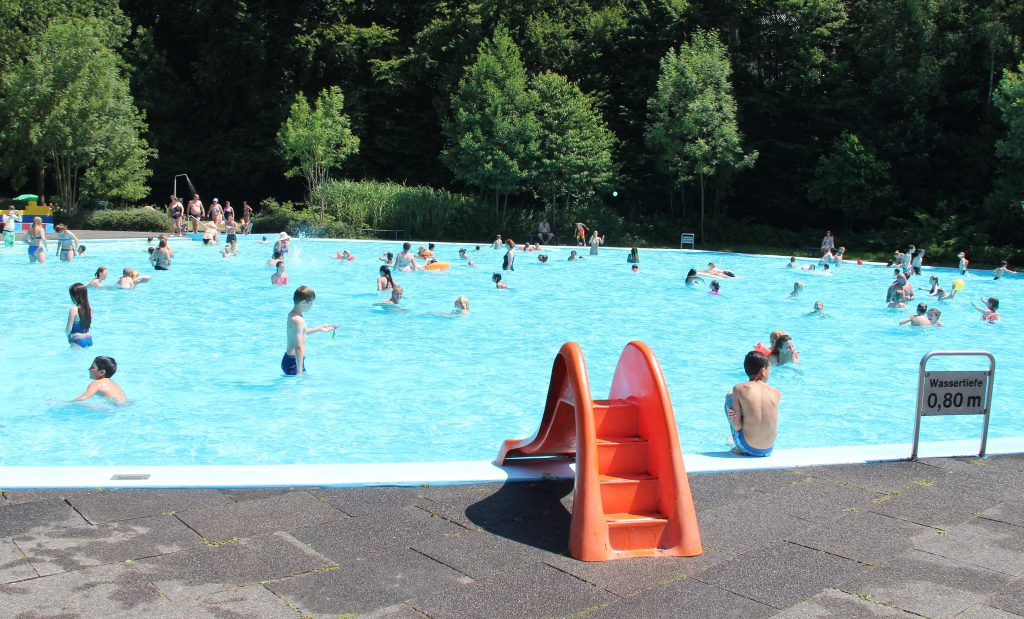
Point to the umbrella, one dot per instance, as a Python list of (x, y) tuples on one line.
[(26, 197)]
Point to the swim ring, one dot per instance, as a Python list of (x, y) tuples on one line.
[(438, 266)]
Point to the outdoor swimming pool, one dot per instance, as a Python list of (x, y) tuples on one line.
[(199, 349)]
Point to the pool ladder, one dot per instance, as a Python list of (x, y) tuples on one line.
[(631, 497)]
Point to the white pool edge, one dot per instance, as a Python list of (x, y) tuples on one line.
[(442, 473)]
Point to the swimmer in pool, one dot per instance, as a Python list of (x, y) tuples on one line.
[(384, 281), (277, 257), (933, 281), (387, 258), (692, 278), (990, 311), (783, 351), (79, 318), (293, 363), (717, 272), (396, 296), (792, 263), (462, 254), (1002, 269), (97, 282), (798, 287), (920, 319), (405, 261), (573, 257), (898, 301), (808, 267), (100, 371), (542, 258), (753, 409), (279, 278), (964, 262), (715, 287), (461, 305), (496, 278), (819, 310), (130, 278)]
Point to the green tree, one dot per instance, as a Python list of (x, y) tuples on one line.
[(575, 147), (693, 115), (68, 104), (493, 131), (1009, 99), (851, 180), (319, 138)]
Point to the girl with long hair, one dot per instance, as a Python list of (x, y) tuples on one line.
[(79, 317)]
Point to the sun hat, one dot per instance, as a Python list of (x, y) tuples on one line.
[(215, 199), (283, 236)]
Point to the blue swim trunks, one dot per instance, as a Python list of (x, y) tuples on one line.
[(290, 365), (738, 438), (81, 342)]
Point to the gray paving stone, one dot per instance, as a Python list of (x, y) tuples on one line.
[(713, 490), (127, 504), (832, 603), (817, 500), (368, 536), (878, 476), (862, 536), (536, 590), (985, 543), (626, 577), (512, 502), (66, 548), (364, 586), (207, 570), (113, 591), (780, 575), (744, 526), (1010, 598), (927, 584), (547, 537), (252, 602), (1010, 512), (996, 478), (28, 496), (682, 598), (476, 553), (931, 506), (281, 512), (14, 565), (364, 501), (240, 495), (981, 611), (36, 517)]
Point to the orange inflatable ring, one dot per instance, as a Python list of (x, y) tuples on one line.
[(438, 266)]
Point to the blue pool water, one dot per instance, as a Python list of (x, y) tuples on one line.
[(199, 349)]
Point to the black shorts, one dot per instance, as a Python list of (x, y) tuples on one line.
[(159, 268)]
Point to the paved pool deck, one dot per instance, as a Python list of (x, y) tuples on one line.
[(942, 537)]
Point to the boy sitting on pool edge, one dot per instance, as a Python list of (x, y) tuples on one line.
[(753, 409), (293, 362)]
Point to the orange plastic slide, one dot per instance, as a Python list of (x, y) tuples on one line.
[(632, 497)]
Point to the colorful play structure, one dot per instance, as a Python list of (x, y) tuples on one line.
[(632, 496), (29, 207)]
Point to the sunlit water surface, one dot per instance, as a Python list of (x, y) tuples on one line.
[(199, 349)]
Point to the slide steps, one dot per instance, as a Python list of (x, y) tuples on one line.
[(631, 497)]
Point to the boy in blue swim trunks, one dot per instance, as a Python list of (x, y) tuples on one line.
[(293, 362), (753, 409)]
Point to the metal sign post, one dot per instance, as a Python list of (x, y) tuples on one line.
[(954, 393)]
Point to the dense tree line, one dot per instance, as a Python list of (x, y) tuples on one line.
[(871, 115)]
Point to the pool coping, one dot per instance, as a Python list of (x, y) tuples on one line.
[(457, 472)]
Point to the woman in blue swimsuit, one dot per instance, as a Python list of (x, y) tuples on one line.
[(36, 239), (79, 317)]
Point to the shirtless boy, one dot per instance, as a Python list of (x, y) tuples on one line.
[(293, 362), (100, 371), (753, 409)]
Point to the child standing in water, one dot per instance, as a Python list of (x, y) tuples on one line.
[(79, 317), (294, 361), (279, 278), (100, 371)]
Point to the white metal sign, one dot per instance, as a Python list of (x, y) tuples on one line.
[(954, 393)]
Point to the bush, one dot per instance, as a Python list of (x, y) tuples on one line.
[(422, 212), (144, 219)]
